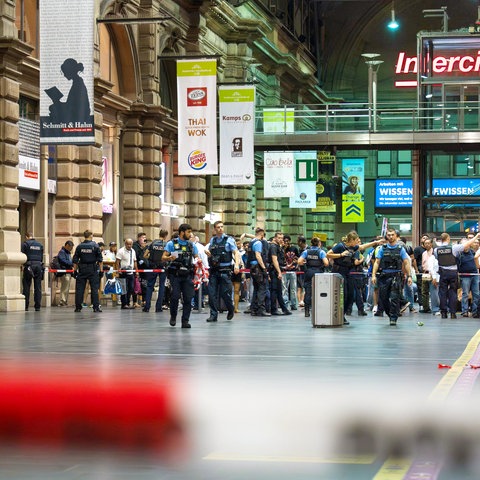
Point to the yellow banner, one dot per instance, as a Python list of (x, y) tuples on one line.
[(352, 211)]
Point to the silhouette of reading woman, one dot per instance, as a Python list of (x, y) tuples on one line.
[(77, 106)]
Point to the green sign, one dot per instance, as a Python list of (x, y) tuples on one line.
[(306, 170)]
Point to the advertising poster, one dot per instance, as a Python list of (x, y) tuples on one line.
[(326, 196), (278, 120), (197, 117), (305, 195), (279, 174), (353, 175), (66, 72), (28, 172), (237, 122), (395, 193)]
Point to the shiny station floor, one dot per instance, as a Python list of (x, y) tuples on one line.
[(268, 398)]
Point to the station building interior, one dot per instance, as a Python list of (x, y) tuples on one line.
[(336, 60)]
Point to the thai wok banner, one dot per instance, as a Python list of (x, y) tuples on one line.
[(353, 175), (197, 117), (237, 121), (279, 174), (66, 72)]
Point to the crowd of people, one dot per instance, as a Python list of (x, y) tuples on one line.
[(274, 276)]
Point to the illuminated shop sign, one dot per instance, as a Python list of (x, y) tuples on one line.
[(393, 193), (443, 58), (455, 188)]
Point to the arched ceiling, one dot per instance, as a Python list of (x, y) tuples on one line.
[(352, 27)]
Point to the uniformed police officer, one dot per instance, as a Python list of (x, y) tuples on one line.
[(447, 255), (390, 263), (315, 260), (87, 265), (32, 270), (180, 252), (221, 251), (154, 255)]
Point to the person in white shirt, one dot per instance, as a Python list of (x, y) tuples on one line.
[(126, 259)]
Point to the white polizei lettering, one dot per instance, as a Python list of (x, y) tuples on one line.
[(469, 68), (451, 63)]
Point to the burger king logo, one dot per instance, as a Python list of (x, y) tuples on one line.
[(197, 160)]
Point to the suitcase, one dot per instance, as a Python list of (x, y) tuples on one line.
[(327, 300)]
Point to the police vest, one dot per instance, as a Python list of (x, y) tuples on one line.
[(33, 251), (157, 248), (391, 259), (466, 262), (87, 253), (220, 255), (445, 256), (185, 255), (345, 261), (251, 257), (313, 258)]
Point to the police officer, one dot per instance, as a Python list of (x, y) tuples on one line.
[(390, 263), (447, 255), (154, 254), (277, 262), (180, 252), (87, 265), (257, 261), (315, 260), (343, 256), (32, 270), (221, 251)]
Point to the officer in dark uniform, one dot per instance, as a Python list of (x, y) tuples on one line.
[(342, 255), (315, 260), (154, 254), (221, 251), (180, 252), (32, 270), (87, 265), (390, 263)]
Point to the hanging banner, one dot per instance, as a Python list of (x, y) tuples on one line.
[(279, 174), (326, 196), (237, 122), (305, 195), (197, 117), (353, 175), (66, 72), (278, 120)]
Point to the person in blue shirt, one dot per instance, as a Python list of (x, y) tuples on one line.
[(180, 253), (222, 252), (390, 263), (315, 259)]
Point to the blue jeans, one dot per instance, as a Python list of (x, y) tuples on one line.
[(151, 280), (290, 289), (470, 283)]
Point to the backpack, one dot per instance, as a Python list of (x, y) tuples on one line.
[(55, 265)]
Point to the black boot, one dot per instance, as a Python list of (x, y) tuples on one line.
[(307, 311)]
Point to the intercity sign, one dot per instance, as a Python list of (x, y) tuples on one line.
[(449, 58)]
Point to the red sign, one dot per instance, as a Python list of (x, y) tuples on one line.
[(197, 97)]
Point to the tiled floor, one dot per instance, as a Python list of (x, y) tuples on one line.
[(262, 398)]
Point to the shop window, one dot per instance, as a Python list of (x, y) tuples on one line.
[(460, 167), (384, 164), (404, 163)]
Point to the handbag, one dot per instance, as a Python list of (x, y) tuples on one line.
[(426, 277), (137, 288), (111, 287)]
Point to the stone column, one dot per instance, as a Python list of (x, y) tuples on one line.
[(12, 52)]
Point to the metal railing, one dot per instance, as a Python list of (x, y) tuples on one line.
[(356, 117)]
